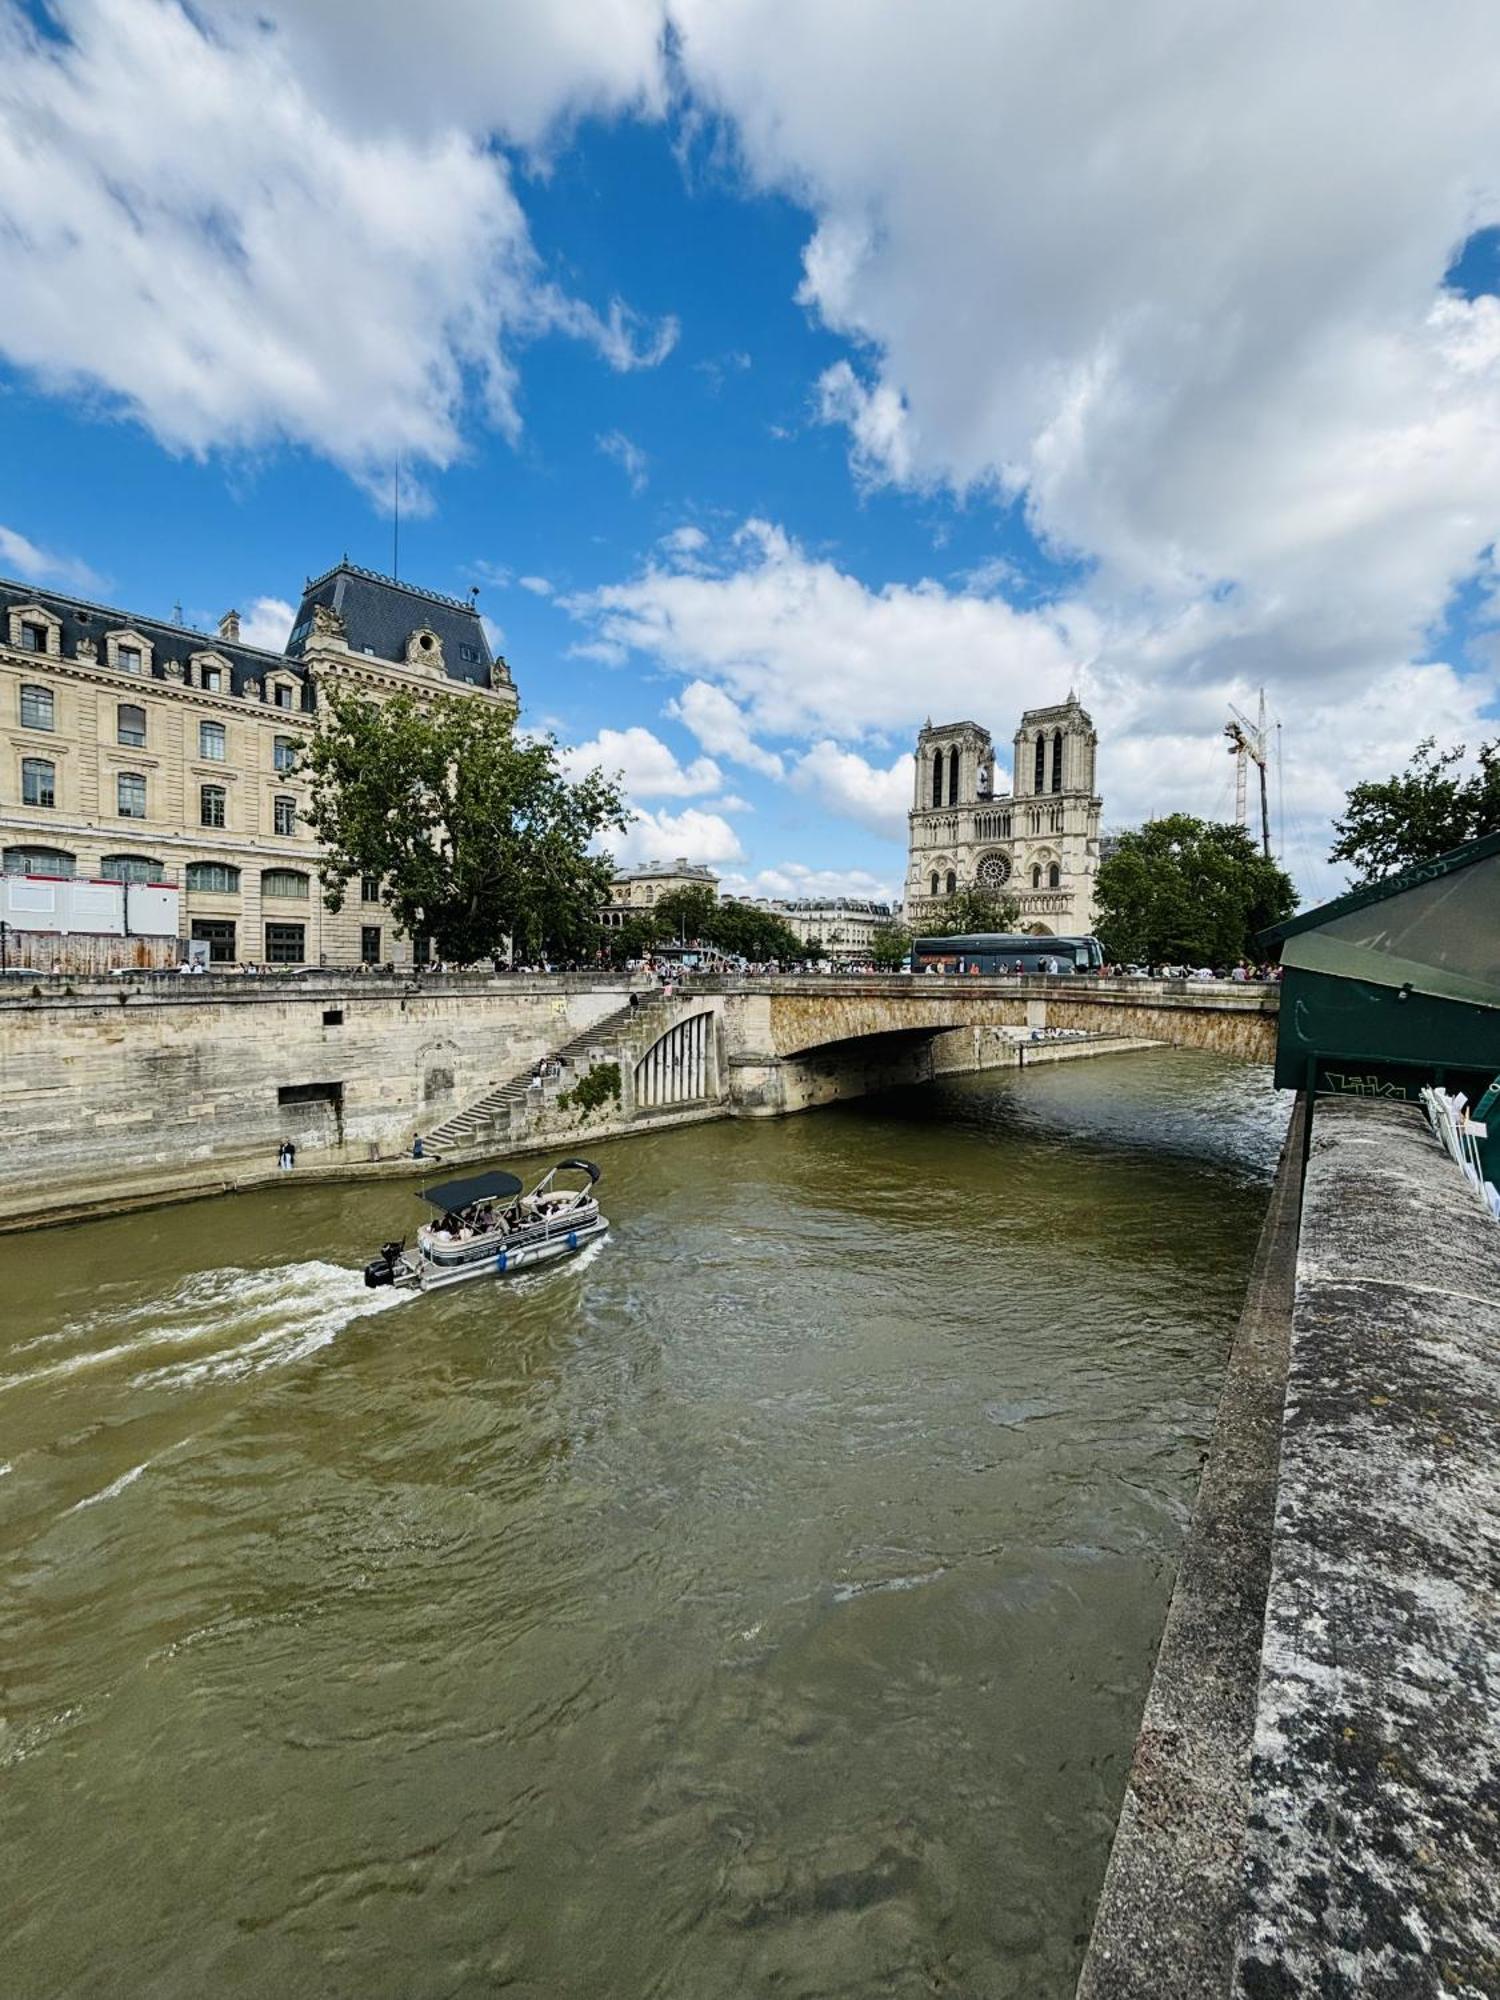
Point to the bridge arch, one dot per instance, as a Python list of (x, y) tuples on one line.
[(678, 1068)]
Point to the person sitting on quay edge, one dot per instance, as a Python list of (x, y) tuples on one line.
[(417, 1152)]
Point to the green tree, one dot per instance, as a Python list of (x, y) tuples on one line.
[(745, 932), (1185, 891), (889, 944), (686, 916), (637, 937), (475, 837), (1416, 814), (969, 911)]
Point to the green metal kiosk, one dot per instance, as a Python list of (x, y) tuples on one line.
[(1396, 986)]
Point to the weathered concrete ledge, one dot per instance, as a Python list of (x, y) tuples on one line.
[(1374, 1828), (1172, 1890), (1314, 1804)]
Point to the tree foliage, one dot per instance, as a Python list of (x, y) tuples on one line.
[(1184, 891), (695, 916), (1416, 814), (972, 910), (475, 837), (889, 944)]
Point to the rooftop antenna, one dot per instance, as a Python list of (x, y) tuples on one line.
[(1247, 745), (177, 612), (396, 520)]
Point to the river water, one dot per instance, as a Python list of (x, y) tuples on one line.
[(761, 1604)]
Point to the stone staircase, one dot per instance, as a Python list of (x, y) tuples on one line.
[(619, 1037)]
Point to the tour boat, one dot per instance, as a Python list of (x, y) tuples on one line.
[(491, 1226)]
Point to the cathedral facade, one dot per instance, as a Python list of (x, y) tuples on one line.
[(1038, 844)]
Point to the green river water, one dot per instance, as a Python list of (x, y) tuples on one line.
[(761, 1604)]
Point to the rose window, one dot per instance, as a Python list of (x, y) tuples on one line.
[(994, 871)]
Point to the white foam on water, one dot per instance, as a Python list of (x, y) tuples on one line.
[(108, 1492)]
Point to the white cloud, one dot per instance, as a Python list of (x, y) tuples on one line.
[(29, 563), (539, 586), (267, 623), (844, 783), (242, 231), (789, 881), (684, 541), (648, 766), (627, 455), (662, 836), (1174, 277), (720, 726)]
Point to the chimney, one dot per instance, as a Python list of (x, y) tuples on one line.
[(229, 625)]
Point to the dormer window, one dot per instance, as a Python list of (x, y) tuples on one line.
[(213, 680), (33, 638), (127, 652), (282, 695), (32, 628), (129, 658)]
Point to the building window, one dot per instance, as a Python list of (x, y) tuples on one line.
[(39, 861), (953, 776), (284, 753), (130, 726), (128, 659), (283, 882), (284, 944), (468, 654), (33, 638), (369, 944), (934, 882), (211, 805), (1054, 877), (952, 882), (38, 782), (369, 888), (1036, 878), (1057, 760), (131, 868), (218, 936), (1040, 778), (284, 814), (130, 795), (937, 777), (36, 708), (211, 742), (282, 695), (212, 680), (214, 878)]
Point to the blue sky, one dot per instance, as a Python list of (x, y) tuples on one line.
[(784, 376)]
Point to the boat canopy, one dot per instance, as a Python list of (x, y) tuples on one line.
[(583, 1166), (463, 1194)]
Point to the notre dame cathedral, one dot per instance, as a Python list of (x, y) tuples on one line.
[(1039, 844)]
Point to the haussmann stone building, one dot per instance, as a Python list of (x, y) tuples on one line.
[(1038, 844), (141, 753)]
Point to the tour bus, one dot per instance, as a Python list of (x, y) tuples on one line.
[(996, 953)]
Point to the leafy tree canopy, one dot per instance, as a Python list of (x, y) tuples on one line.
[(1416, 814), (969, 911), (1184, 891), (695, 916), (474, 836), (889, 944)]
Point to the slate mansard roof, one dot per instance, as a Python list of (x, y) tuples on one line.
[(81, 619), (380, 613)]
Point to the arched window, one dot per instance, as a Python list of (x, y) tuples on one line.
[(283, 882), (39, 861), (1036, 878), (953, 776), (1040, 784), (952, 881), (38, 782), (1057, 760), (131, 868), (934, 882), (1054, 877), (285, 753), (216, 878), (130, 725), (36, 708), (937, 777)]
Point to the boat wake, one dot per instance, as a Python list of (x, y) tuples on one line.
[(223, 1324)]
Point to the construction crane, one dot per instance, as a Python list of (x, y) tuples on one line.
[(1247, 745)]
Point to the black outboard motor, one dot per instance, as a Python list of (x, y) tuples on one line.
[(381, 1270)]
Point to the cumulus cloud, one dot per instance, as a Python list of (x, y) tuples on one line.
[(789, 881), (539, 586), (30, 563), (205, 228), (693, 834), (267, 623), (627, 455), (1174, 278), (720, 726), (845, 783), (648, 767)]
